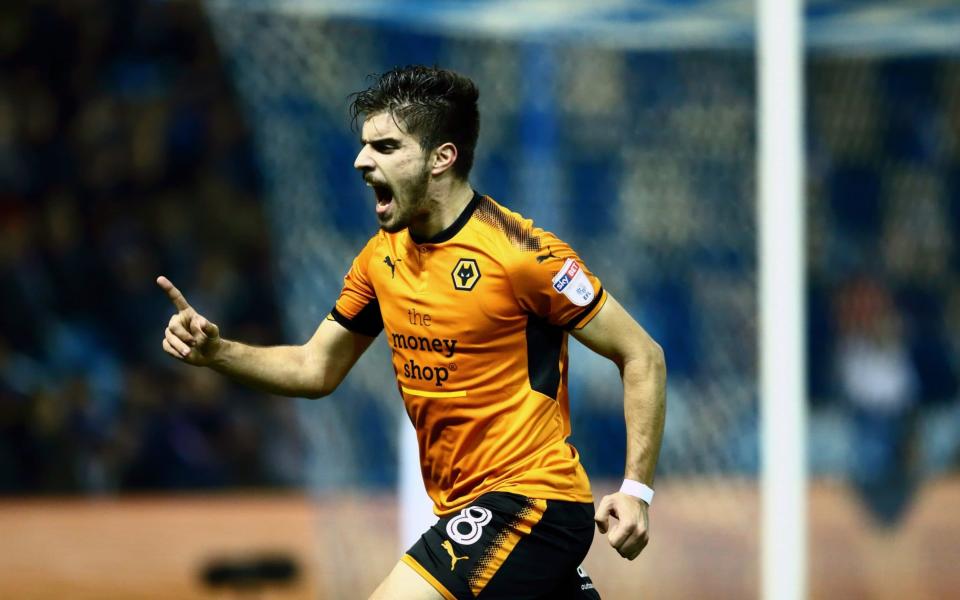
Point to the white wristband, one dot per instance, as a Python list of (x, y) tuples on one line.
[(637, 489)]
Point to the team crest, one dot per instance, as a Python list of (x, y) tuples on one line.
[(465, 274)]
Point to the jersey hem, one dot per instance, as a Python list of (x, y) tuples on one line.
[(536, 493), (355, 325), (581, 320)]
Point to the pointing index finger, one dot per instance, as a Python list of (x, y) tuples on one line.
[(173, 293)]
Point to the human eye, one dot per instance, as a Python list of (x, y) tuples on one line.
[(384, 146)]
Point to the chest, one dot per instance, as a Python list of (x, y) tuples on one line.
[(444, 293)]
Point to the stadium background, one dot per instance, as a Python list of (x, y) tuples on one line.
[(211, 143)]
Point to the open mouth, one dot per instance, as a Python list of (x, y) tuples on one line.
[(384, 196)]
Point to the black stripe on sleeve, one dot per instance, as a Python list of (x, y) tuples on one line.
[(367, 322), (572, 323)]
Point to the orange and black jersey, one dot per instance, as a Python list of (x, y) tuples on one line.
[(477, 320)]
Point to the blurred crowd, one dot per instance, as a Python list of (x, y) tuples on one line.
[(883, 210), (884, 267), (123, 155)]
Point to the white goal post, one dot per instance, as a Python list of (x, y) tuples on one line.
[(783, 401)]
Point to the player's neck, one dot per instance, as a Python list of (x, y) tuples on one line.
[(445, 207)]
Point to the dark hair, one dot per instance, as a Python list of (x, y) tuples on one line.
[(435, 105)]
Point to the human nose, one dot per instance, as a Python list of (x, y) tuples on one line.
[(363, 162)]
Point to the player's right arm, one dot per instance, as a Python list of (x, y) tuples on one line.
[(311, 370)]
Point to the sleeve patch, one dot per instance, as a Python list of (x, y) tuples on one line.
[(572, 282)]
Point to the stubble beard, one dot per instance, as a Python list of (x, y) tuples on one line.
[(415, 198)]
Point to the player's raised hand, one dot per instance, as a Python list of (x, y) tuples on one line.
[(629, 533), (189, 336)]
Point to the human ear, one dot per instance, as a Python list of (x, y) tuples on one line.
[(443, 158)]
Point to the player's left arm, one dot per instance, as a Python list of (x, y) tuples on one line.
[(613, 333)]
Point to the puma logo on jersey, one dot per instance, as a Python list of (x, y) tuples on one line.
[(549, 254), (393, 265), (446, 545)]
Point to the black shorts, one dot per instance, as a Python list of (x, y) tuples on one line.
[(508, 546)]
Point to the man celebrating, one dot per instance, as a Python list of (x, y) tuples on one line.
[(476, 302)]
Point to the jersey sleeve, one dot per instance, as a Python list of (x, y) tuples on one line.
[(357, 308), (554, 284)]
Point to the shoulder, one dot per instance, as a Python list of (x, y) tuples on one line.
[(375, 245), (523, 245), (516, 236)]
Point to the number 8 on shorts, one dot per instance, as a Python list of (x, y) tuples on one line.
[(467, 527)]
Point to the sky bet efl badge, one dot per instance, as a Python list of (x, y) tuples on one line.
[(572, 282)]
